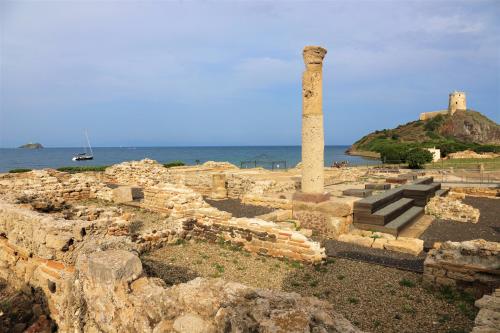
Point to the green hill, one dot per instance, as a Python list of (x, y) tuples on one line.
[(450, 133)]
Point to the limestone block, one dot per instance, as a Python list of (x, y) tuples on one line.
[(192, 323), (379, 243), (122, 194), (113, 266), (336, 206), (406, 245), (58, 241), (444, 281), (219, 187), (355, 239)]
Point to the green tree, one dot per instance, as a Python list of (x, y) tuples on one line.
[(417, 157), (393, 154)]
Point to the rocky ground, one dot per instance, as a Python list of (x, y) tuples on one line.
[(373, 297), (488, 226), (21, 313)]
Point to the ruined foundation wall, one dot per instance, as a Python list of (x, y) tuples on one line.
[(53, 185), (201, 221), (473, 265)]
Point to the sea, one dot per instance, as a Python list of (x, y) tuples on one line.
[(277, 157)]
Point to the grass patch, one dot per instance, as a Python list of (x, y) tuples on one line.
[(19, 170), (353, 300), (173, 164), (313, 283), (219, 268), (180, 241), (75, 169), (407, 283), (408, 309)]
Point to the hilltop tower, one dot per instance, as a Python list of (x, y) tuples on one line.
[(457, 102)]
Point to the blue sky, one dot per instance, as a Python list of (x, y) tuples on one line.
[(153, 73)]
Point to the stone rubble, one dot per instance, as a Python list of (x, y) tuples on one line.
[(449, 208), (488, 317), (383, 241), (473, 264)]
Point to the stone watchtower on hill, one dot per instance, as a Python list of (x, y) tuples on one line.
[(457, 102)]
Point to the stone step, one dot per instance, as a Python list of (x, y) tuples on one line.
[(390, 212), (396, 225), (357, 192), (442, 192), (423, 181), (378, 201), (378, 186), (408, 176), (385, 214), (394, 180), (407, 217)]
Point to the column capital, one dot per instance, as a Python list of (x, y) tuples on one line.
[(313, 55)]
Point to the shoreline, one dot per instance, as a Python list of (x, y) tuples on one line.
[(363, 153)]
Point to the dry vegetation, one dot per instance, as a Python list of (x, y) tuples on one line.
[(376, 298)]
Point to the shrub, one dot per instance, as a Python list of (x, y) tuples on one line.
[(19, 170), (74, 169), (417, 157), (434, 123), (173, 164), (452, 147), (407, 283), (487, 149), (393, 154)]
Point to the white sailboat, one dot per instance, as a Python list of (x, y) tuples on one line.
[(86, 155)]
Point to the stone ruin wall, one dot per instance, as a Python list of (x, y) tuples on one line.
[(470, 265), (46, 188), (201, 221), (147, 173), (53, 185), (432, 114), (81, 273)]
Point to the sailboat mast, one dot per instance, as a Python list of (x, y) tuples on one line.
[(88, 143)]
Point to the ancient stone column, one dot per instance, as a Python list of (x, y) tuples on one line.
[(313, 141)]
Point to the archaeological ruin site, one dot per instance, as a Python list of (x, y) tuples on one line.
[(213, 247)]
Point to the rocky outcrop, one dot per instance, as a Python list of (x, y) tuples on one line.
[(471, 126), (473, 265), (451, 208), (118, 298)]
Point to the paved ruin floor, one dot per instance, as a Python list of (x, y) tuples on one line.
[(376, 298), (488, 226)]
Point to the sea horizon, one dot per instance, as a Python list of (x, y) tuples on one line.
[(56, 157)]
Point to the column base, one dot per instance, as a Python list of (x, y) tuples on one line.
[(311, 197)]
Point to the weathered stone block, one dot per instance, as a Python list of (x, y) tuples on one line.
[(406, 245), (113, 266), (355, 239), (379, 243), (126, 194)]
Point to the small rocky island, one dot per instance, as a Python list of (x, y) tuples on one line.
[(32, 146)]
